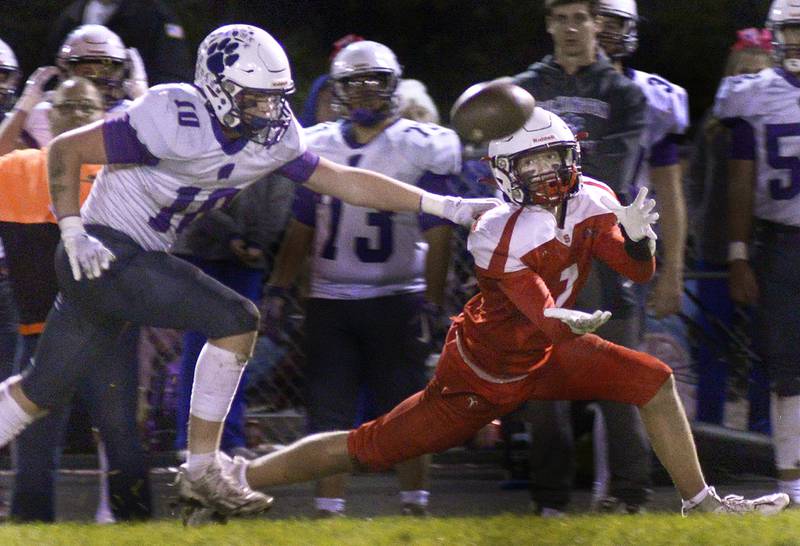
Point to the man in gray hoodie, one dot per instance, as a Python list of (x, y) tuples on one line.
[(607, 112)]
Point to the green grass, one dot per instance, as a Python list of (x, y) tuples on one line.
[(496, 530)]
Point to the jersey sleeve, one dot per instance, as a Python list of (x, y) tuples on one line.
[(431, 148), (529, 293), (304, 206), (303, 161), (610, 248), (734, 99)]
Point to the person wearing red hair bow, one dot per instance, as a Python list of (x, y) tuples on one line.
[(706, 188)]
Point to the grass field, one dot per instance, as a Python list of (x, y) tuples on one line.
[(496, 530)]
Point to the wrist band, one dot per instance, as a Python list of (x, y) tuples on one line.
[(737, 250)]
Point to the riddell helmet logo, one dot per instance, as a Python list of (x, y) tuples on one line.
[(544, 138)]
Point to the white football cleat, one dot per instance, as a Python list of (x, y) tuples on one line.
[(219, 495), (768, 505)]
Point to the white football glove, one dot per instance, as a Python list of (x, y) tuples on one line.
[(135, 84), (457, 209), (87, 255), (34, 88), (579, 322), (637, 218)]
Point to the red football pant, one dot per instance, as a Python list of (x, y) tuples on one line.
[(453, 406)]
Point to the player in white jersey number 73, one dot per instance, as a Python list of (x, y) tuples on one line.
[(175, 153)]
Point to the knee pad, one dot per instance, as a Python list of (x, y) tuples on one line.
[(216, 378), (786, 431)]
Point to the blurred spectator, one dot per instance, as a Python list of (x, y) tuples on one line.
[(764, 223), (416, 103), (150, 26), (94, 52), (707, 191), (90, 51), (109, 391), (607, 112), (234, 245), (377, 278), (319, 105), (9, 80)]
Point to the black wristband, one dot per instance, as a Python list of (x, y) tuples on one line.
[(642, 250)]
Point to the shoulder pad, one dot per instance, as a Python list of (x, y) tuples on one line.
[(532, 229), (169, 120), (429, 146), (667, 101), (735, 96)]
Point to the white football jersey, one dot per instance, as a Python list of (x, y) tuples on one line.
[(169, 162), (770, 103), (364, 253), (667, 113)]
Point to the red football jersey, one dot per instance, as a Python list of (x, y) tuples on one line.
[(526, 264)]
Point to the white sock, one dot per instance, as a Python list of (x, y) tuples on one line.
[(697, 499), (791, 488), (418, 497), (330, 504), (197, 463), (13, 419)]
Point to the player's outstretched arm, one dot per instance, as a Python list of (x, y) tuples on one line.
[(364, 188), (87, 256)]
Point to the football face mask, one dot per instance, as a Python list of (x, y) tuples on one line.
[(107, 74), (9, 78), (617, 36), (544, 177), (368, 97), (265, 115), (787, 39)]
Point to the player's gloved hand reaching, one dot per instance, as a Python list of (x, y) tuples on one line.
[(87, 256), (34, 88), (579, 322), (637, 218), (457, 209)]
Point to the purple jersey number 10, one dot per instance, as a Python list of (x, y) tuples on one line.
[(186, 196)]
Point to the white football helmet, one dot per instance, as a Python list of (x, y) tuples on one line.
[(239, 66), (365, 76), (622, 40), (783, 13), (98, 54), (9, 77), (516, 165)]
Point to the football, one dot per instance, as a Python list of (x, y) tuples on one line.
[(491, 110)]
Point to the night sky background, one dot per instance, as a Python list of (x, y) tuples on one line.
[(447, 44)]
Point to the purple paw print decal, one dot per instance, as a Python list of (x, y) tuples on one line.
[(222, 54)]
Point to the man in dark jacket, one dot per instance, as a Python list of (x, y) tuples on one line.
[(147, 25), (608, 113)]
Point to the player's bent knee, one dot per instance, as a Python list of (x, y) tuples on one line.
[(239, 317)]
